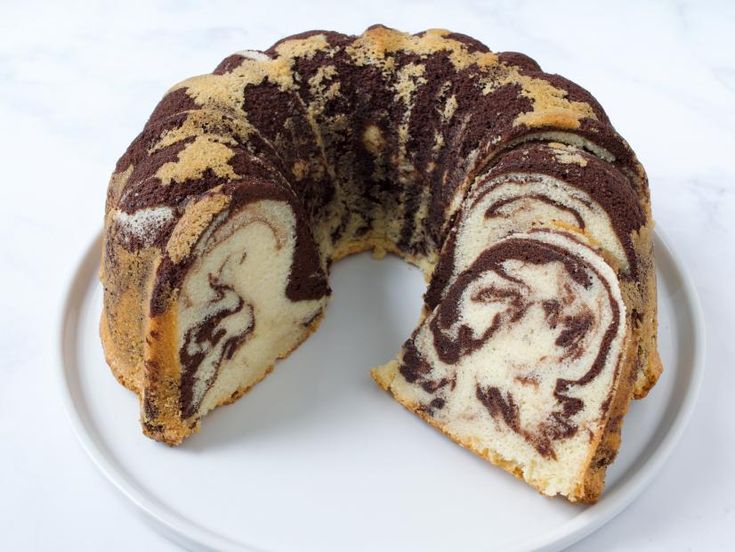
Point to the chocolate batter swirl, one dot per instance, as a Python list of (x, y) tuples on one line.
[(201, 340), (498, 295)]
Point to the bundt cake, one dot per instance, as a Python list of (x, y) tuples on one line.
[(528, 214)]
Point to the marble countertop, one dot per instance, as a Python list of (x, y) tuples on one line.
[(77, 81)]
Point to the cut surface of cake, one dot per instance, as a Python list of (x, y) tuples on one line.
[(524, 361), (528, 214)]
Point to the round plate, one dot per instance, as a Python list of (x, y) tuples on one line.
[(316, 457)]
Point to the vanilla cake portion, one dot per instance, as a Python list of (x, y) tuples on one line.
[(525, 362), (224, 302), (226, 212)]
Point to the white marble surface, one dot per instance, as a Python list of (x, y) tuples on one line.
[(77, 81)]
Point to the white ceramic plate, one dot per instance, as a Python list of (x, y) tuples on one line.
[(318, 458)]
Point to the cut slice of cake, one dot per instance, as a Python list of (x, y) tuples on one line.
[(527, 362)]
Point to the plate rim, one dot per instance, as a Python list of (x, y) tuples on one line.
[(189, 533)]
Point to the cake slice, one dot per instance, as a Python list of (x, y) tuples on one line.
[(527, 361), (548, 184)]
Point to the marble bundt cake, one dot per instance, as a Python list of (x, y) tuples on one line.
[(529, 215)]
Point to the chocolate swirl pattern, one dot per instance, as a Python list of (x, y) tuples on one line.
[(558, 186), (545, 185), (214, 339), (522, 358), (245, 185), (218, 313)]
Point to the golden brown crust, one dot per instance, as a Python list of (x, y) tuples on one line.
[(126, 278), (605, 450), (650, 367), (128, 376), (197, 216), (161, 390)]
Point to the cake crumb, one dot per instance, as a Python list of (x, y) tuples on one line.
[(378, 253)]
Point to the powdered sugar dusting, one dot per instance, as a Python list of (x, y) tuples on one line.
[(254, 55), (144, 225)]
